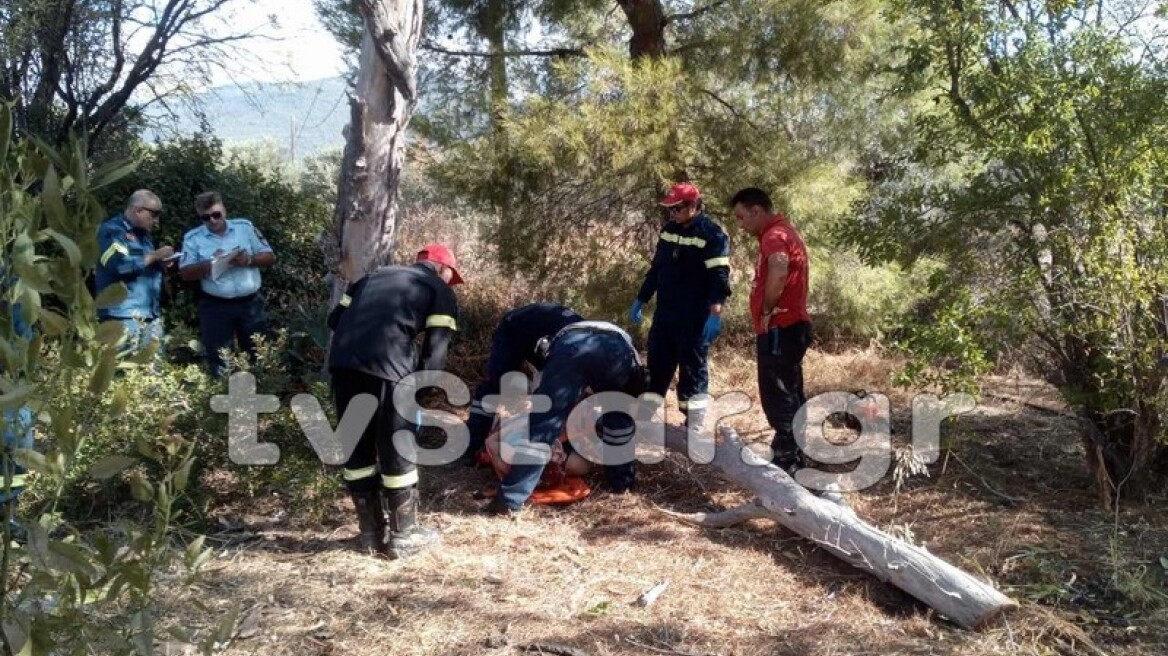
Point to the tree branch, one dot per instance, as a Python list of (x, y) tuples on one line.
[(552, 52), (730, 108), (147, 61), (176, 16), (52, 46), (673, 18), (691, 45), (1009, 5), (208, 42), (955, 96), (116, 69)]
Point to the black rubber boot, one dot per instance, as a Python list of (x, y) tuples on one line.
[(619, 479), (370, 521), (406, 538)]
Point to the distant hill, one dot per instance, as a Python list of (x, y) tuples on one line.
[(302, 119)]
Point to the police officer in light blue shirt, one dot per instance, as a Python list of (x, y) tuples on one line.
[(230, 305)]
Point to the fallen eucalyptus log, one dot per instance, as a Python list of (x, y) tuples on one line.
[(955, 594)]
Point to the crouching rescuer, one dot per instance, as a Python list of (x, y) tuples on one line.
[(587, 356), (375, 327), (512, 346)]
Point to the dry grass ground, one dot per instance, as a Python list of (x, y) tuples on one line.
[(1011, 502)]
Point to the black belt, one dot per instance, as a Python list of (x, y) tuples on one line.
[(238, 300)]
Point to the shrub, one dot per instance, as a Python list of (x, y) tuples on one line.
[(62, 589)]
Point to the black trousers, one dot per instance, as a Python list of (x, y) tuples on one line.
[(224, 321), (780, 382), (678, 344), (375, 462)]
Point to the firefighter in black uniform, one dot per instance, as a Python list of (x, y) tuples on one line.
[(690, 275), (513, 344), (373, 348)]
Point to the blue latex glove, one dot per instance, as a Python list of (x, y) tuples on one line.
[(712, 329), (637, 312)]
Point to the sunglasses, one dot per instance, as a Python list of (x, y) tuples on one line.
[(677, 209), (216, 215), (153, 212)]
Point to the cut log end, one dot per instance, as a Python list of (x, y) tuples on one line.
[(994, 616)]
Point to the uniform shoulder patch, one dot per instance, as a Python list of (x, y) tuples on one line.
[(247, 223)]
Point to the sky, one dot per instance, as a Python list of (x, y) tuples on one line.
[(299, 49)]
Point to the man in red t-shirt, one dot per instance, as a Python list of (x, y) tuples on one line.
[(778, 309)]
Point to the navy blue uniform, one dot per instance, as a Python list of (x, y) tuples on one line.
[(123, 249), (376, 324), (592, 355), (513, 344), (690, 272)]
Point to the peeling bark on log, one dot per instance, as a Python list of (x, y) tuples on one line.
[(959, 596)]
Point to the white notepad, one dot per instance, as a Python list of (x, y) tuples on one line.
[(222, 263)]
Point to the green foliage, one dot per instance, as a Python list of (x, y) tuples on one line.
[(176, 399), (299, 475), (854, 302), (1038, 178), (575, 169), (63, 590), (1117, 580), (772, 94), (156, 395), (951, 348), (1048, 571), (1137, 584)]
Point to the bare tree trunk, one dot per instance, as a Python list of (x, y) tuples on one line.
[(495, 29), (961, 597), (1124, 454), (647, 20), (381, 106)]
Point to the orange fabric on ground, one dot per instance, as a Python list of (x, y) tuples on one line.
[(555, 487)]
